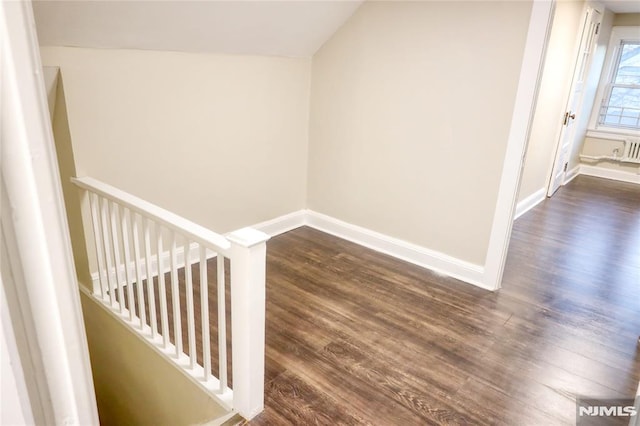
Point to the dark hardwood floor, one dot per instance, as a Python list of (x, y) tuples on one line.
[(358, 337)]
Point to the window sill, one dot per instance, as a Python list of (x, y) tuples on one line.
[(615, 135)]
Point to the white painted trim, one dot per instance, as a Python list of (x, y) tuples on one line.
[(612, 136), (571, 174), (168, 219), (403, 250), (282, 224), (412, 253), (526, 96), (248, 307), (16, 407), (530, 202), (618, 175), (618, 33), (194, 256), (38, 221)]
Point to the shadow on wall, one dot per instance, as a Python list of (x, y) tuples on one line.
[(67, 167)]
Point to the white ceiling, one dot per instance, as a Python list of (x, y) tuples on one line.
[(622, 6), (266, 27)]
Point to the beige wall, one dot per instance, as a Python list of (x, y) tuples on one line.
[(410, 109), (134, 384), (50, 75), (552, 97), (626, 19), (221, 140)]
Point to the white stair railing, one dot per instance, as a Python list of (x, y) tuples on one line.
[(145, 260)]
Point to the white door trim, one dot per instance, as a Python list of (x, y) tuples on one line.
[(528, 85), (42, 244)]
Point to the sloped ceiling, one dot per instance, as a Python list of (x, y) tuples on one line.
[(281, 28)]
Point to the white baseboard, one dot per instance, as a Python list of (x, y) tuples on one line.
[(612, 174), (421, 256), (412, 253), (571, 174), (271, 227), (282, 224), (121, 278), (530, 202), (400, 249), (581, 169)]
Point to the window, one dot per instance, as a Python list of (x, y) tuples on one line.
[(620, 106)]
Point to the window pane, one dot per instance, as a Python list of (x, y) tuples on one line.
[(630, 117), (625, 97), (628, 71), (621, 106), (610, 116), (620, 117)]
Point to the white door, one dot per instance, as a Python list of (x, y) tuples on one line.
[(588, 38)]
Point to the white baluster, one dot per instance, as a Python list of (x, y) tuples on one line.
[(151, 294), (124, 230), (101, 289), (191, 326), (104, 220), (175, 296), (142, 314), (118, 219), (162, 290), (116, 254), (204, 311), (222, 324)]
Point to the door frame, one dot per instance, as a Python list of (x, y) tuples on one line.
[(526, 96), (528, 87), (39, 252)]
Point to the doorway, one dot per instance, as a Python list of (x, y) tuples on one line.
[(577, 103)]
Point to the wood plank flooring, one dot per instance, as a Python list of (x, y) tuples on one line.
[(357, 337)]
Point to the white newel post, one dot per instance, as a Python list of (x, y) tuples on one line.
[(248, 293)]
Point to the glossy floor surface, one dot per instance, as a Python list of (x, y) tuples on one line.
[(357, 337)]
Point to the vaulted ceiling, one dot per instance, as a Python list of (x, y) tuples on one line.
[(294, 28)]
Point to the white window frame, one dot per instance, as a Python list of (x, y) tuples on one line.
[(618, 34)]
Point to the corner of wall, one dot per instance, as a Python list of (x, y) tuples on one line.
[(308, 134), (71, 194)]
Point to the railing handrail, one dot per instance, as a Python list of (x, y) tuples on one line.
[(195, 232)]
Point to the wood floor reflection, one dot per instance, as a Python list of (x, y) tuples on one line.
[(357, 337)]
